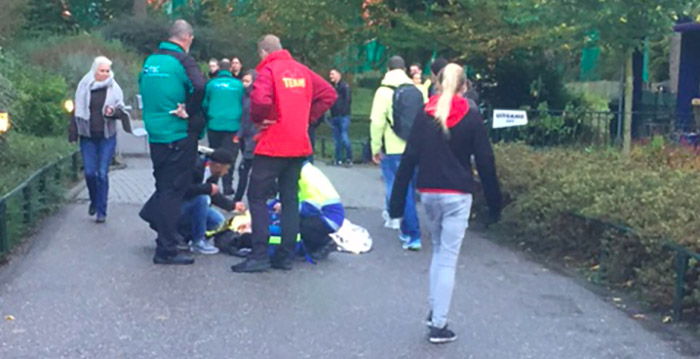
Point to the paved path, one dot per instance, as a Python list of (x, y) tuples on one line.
[(90, 291)]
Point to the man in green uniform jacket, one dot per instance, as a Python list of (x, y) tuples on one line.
[(172, 87), (223, 108)]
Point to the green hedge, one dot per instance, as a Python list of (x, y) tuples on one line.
[(649, 192)]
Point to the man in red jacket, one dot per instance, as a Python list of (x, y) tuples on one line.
[(286, 98)]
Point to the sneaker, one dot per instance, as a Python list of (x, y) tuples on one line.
[(101, 218), (347, 164), (203, 247), (404, 238), (389, 222), (412, 245), (441, 335), (92, 210)]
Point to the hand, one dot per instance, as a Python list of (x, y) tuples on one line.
[(377, 158), (239, 207), (267, 123), (109, 111), (277, 207), (180, 111), (214, 189)]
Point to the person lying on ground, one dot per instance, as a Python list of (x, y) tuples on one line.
[(321, 212)]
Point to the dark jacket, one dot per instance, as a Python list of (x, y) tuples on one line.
[(200, 187), (444, 162), (169, 77), (342, 107), (248, 129)]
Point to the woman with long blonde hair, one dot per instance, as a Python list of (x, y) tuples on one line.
[(442, 142)]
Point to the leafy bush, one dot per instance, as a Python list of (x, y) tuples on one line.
[(140, 34), (543, 188), (72, 56), (35, 106)]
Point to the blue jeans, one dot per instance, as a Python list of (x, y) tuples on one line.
[(97, 156), (197, 217), (409, 224), (341, 137), (448, 216)]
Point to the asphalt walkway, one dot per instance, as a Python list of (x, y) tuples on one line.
[(91, 291)]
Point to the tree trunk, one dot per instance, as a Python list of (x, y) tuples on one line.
[(140, 8), (629, 91)]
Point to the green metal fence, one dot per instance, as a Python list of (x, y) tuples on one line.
[(682, 254), (42, 192)]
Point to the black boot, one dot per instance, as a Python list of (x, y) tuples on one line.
[(178, 259), (251, 265)]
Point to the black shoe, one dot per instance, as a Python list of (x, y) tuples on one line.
[(178, 259), (251, 265), (101, 218), (441, 335), (347, 164), (92, 210), (323, 252), (282, 264)]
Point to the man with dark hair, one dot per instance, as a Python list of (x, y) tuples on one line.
[(171, 87), (340, 119), (197, 216), (286, 97), (223, 108), (471, 95)]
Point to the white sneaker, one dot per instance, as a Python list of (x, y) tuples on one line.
[(389, 222)]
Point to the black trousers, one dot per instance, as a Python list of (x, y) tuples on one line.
[(223, 139), (243, 174), (265, 171), (314, 233), (173, 164)]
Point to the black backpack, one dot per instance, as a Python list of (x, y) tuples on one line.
[(407, 102)]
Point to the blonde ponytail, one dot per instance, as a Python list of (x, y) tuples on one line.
[(451, 81)]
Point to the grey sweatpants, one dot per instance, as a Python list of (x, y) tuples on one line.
[(448, 217)]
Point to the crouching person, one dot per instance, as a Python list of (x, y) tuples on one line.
[(196, 214)]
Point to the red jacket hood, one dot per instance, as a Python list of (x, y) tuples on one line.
[(277, 55), (459, 108)]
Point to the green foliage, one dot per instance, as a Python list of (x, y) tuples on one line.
[(141, 34), (72, 56), (11, 18), (70, 16), (25, 154), (544, 187), (36, 106)]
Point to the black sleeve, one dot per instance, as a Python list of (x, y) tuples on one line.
[(409, 161), (348, 99), (198, 188), (222, 202), (486, 164)]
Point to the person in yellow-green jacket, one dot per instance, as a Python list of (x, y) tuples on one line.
[(321, 212), (223, 108), (387, 145)]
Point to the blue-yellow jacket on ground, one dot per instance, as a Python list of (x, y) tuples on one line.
[(223, 102), (382, 114), (318, 197)]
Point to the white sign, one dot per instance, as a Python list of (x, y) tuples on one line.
[(509, 118)]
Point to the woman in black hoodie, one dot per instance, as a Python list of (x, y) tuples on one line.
[(442, 142)]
